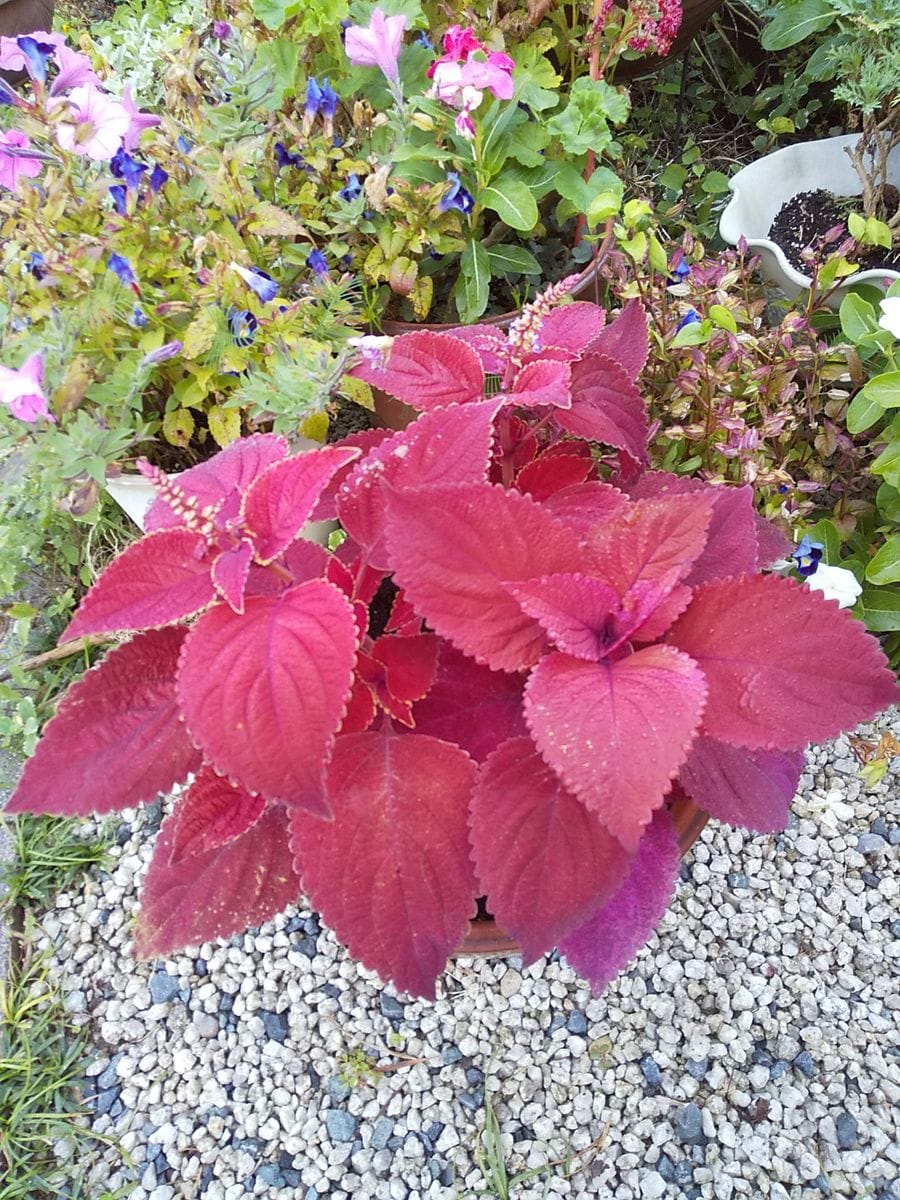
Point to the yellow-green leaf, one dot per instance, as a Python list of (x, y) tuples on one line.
[(178, 428), (224, 424), (199, 335), (721, 316)]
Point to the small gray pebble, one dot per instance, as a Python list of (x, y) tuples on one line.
[(106, 1100), (390, 1007), (870, 843), (894, 836), (163, 987), (557, 1021), (381, 1133), (577, 1023), (307, 946), (340, 1124), (666, 1168), (271, 1174), (895, 927), (847, 1131), (472, 1100), (689, 1125), (650, 1070), (683, 1172), (450, 1054), (778, 1069), (338, 1089), (870, 879), (275, 1024), (879, 826), (109, 1076), (697, 1067), (738, 880), (803, 1062), (474, 1077)]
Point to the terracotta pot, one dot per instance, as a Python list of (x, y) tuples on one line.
[(486, 940), (695, 15)]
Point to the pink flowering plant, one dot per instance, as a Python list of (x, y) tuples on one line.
[(527, 658)]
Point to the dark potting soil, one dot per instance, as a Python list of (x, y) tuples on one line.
[(804, 220), (347, 418)]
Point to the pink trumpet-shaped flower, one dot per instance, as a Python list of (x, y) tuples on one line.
[(22, 389), (94, 124), (11, 56), (75, 70), (377, 46), (13, 165), (139, 120)]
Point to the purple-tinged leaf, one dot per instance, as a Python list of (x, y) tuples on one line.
[(158, 580), (626, 339), (400, 805), (542, 382), (116, 739), (610, 939), (616, 732), (750, 788), (218, 892), (487, 342), (264, 693), (571, 328), (582, 616), (606, 407), (211, 813), (544, 861), (229, 574), (784, 665)]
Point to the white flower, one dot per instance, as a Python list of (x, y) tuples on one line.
[(835, 583), (890, 315)]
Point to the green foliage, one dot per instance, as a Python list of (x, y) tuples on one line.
[(49, 857), (584, 123), (139, 40)]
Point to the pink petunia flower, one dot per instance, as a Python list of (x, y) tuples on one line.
[(459, 43), (94, 124), (22, 389), (468, 64), (139, 120), (379, 45), (13, 165), (11, 56), (75, 70)]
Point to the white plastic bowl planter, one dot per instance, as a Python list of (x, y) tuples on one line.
[(134, 495), (763, 187)]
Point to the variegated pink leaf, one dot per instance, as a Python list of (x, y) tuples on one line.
[(427, 370), (606, 407), (400, 804), (545, 862), (264, 693), (116, 739), (616, 732), (784, 665), (211, 813), (611, 938), (751, 788), (626, 339)]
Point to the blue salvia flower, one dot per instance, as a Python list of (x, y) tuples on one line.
[(120, 199), (163, 354), (328, 100), (259, 281), (37, 55), (352, 190), (126, 168), (313, 100), (183, 144), (242, 325), (35, 265), (424, 41), (318, 263), (807, 556), (691, 317), (138, 318), (121, 268), (158, 177), (681, 271), (457, 197), (284, 158)]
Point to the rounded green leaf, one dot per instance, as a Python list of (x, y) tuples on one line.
[(794, 22), (885, 566), (512, 201)]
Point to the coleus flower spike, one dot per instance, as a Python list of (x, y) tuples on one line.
[(504, 682)]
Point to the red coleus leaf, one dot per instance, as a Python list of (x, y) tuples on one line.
[(453, 549), (545, 862), (216, 892), (586, 505), (304, 560), (581, 615), (365, 440), (626, 339), (160, 579), (488, 343), (606, 406), (731, 544), (752, 788), (211, 813), (551, 473), (400, 670), (654, 541), (542, 382), (361, 706), (452, 445), (470, 705), (400, 806), (772, 544), (616, 732), (230, 572), (280, 502), (116, 739), (264, 693), (611, 938), (571, 327), (219, 483), (427, 370), (784, 665)]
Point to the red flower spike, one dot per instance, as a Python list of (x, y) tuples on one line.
[(400, 807), (542, 382), (161, 579), (264, 693), (219, 483), (116, 739), (626, 339), (212, 813), (281, 500), (750, 788), (784, 665), (606, 407), (551, 473), (583, 506), (616, 732), (545, 862), (454, 549), (451, 445), (218, 892), (471, 706), (655, 541), (427, 370), (611, 938)]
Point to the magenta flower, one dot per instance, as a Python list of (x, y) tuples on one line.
[(465, 70), (75, 70), (13, 162), (377, 46), (139, 120), (22, 389), (94, 124)]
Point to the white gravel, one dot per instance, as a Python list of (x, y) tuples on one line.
[(752, 1051)]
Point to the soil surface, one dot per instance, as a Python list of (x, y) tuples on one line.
[(804, 220)]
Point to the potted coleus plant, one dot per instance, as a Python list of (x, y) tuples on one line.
[(798, 203), (521, 653)]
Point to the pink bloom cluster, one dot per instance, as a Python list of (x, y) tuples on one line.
[(656, 33), (464, 71), (22, 389)]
